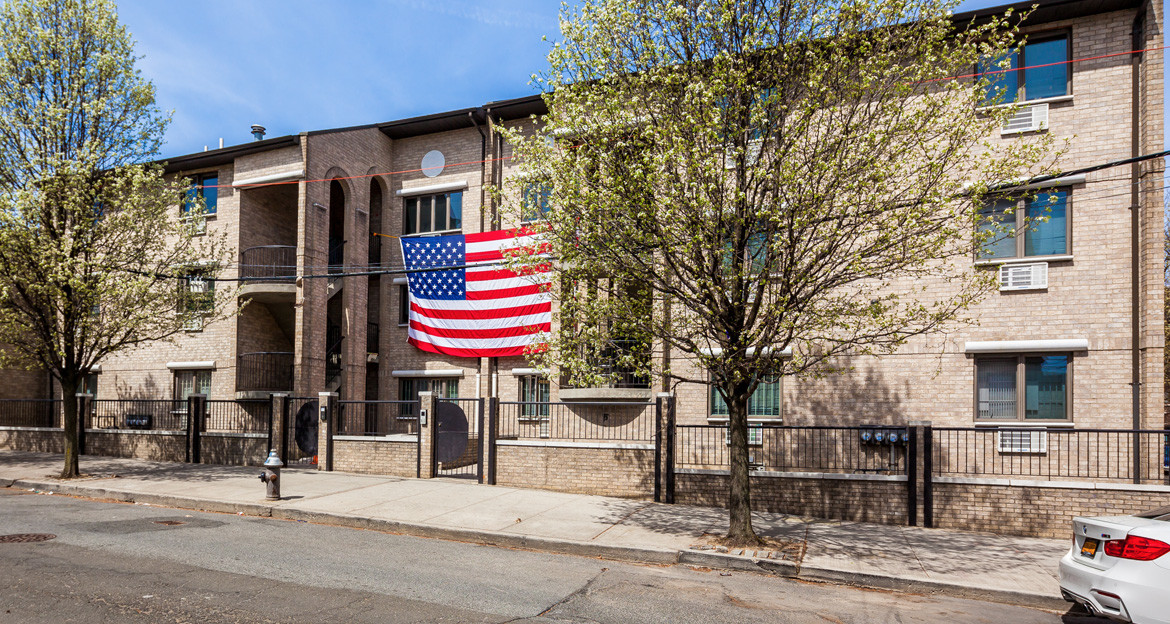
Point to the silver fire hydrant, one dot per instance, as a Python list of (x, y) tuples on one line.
[(271, 476)]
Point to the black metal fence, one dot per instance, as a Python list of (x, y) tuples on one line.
[(269, 263), (240, 416), (1052, 453), (266, 371), (459, 443), (156, 414), (377, 418), (796, 449), (30, 413), (576, 421)]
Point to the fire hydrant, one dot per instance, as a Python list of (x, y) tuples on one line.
[(271, 476)]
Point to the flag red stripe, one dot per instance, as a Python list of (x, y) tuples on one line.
[(539, 308), (501, 293), (479, 276), (503, 332), (482, 237), (471, 353)]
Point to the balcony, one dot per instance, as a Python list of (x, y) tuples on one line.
[(263, 372), (268, 273)]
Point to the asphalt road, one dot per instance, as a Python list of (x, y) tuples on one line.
[(112, 562)]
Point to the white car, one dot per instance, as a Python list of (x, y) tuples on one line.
[(1119, 567)]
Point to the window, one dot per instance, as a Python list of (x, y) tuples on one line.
[(403, 305), (534, 201), (1022, 387), (188, 382), (409, 387), (196, 299), (203, 186), (1047, 72), (1043, 222), (433, 213), (534, 394), (764, 404)]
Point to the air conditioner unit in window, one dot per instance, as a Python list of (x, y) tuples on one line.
[(193, 323), (1023, 276), (1035, 441), (1032, 118), (755, 436)]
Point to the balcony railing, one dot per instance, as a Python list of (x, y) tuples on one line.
[(268, 371), (372, 337), (607, 365), (269, 263)]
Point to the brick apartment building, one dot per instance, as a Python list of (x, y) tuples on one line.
[(1075, 339)]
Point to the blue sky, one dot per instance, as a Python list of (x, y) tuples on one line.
[(297, 65)]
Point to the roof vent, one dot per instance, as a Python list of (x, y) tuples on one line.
[(258, 131)]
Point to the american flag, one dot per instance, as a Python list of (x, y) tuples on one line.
[(477, 307)]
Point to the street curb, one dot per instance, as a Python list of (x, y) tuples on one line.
[(559, 546)]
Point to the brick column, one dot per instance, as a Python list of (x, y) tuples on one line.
[(327, 415), (426, 435)]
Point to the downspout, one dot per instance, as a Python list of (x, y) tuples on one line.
[(485, 364), (1135, 240)]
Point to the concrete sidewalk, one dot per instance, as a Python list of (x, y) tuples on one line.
[(973, 565)]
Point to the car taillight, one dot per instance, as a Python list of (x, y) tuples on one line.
[(1137, 548)]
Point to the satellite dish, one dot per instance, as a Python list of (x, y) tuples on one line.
[(306, 428), (451, 440), (433, 163)]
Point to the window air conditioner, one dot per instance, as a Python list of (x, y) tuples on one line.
[(1032, 118), (1022, 441), (1023, 276), (755, 436)]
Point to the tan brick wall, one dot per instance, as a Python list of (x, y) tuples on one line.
[(41, 441), (881, 502), (380, 457), (150, 446), (1034, 511), (601, 471)]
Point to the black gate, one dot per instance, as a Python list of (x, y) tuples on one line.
[(298, 440), (458, 443)]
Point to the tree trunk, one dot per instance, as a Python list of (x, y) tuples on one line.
[(72, 421), (739, 499)]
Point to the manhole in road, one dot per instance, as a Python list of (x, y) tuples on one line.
[(169, 522), (25, 538)]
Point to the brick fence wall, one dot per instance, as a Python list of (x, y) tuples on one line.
[(1035, 508), (608, 469), (383, 456), (860, 498), (32, 439), (169, 446)]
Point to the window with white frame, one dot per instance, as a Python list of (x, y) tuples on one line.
[(1023, 388), (1021, 228), (765, 404), (189, 382), (534, 396), (442, 212), (409, 387)]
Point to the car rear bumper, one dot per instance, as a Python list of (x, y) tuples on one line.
[(1137, 598)]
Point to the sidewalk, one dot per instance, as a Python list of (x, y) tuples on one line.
[(1016, 570)]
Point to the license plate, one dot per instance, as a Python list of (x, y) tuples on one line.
[(1089, 548)]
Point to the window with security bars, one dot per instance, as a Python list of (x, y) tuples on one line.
[(196, 299), (764, 404), (534, 394), (409, 387), (1022, 388), (188, 382)]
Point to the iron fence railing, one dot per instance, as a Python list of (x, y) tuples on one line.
[(1051, 453), (154, 414), (377, 418), (576, 421), (269, 263), (31, 413), (796, 449), (239, 416), (267, 371)]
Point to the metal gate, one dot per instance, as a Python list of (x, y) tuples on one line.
[(458, 443), (298, 440)]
